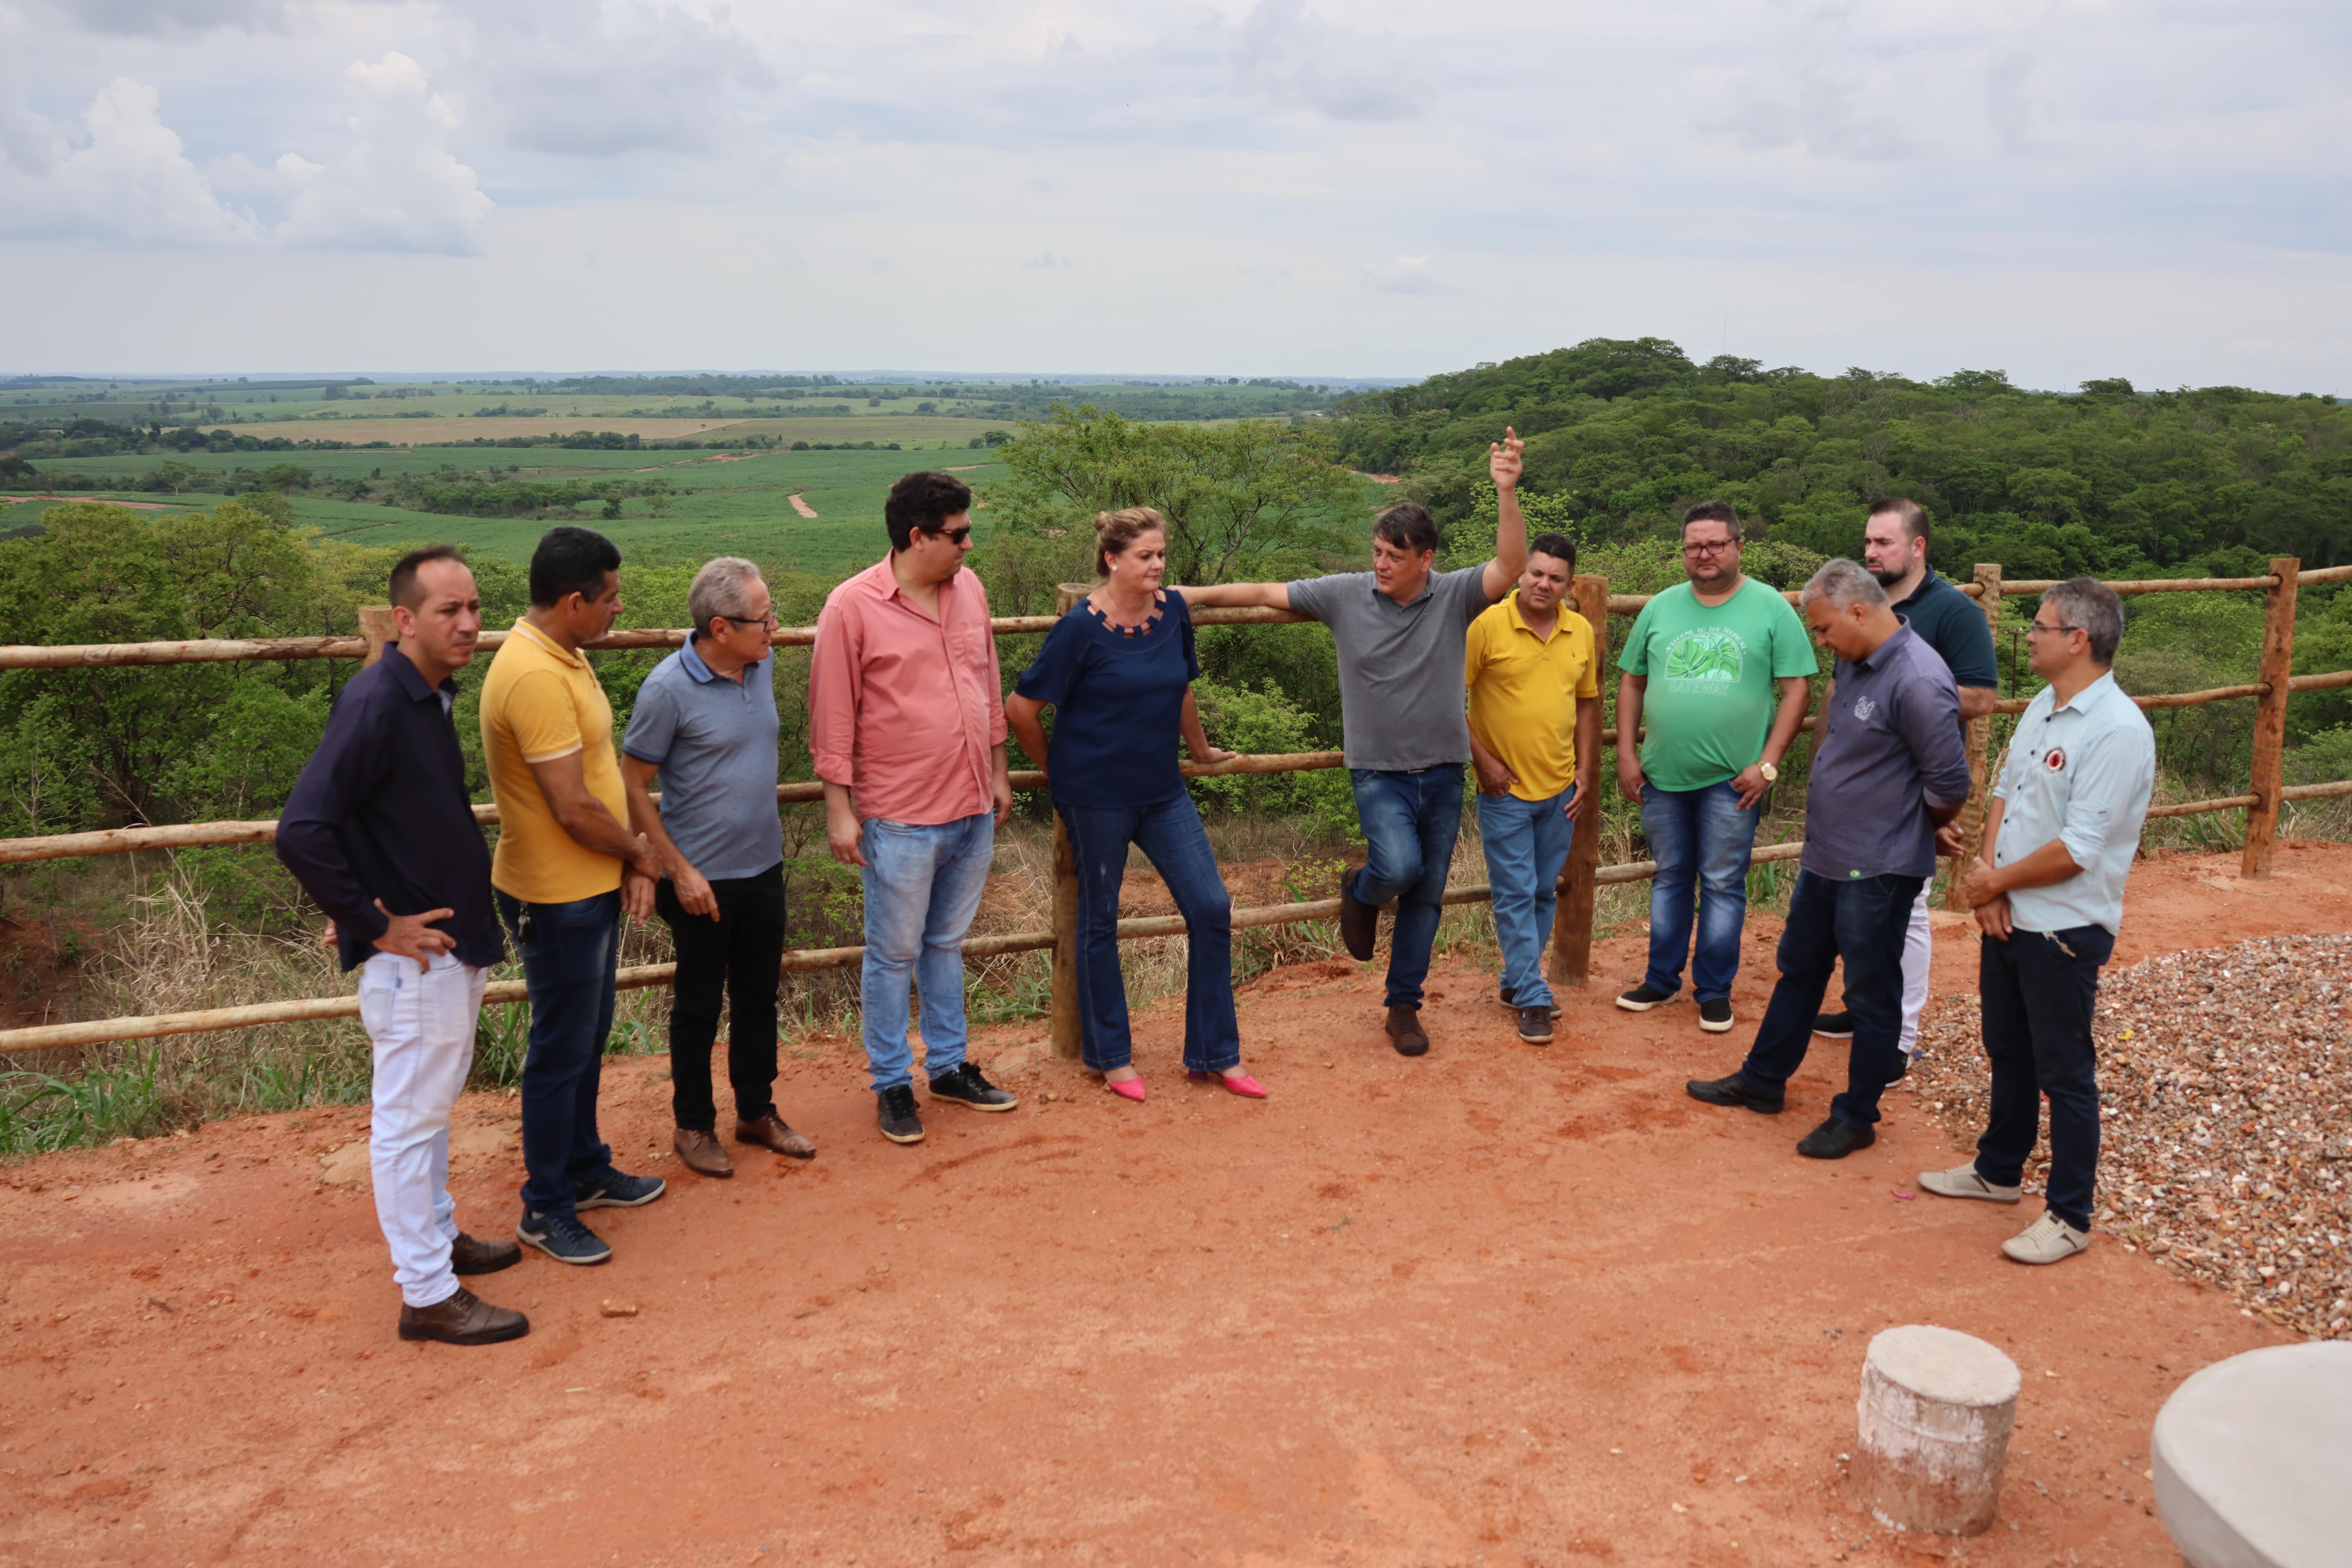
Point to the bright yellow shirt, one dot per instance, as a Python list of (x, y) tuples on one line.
[(1523, 693), (540, 703)]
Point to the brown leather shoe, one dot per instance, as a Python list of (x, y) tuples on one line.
[(465, 1319), (772, 1133), (702, 1153), (1405, 1032), (472, 1255)]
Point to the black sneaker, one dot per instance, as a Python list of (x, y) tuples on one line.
[(1503, 998), (1734, 1090), (1715, 1016), (964, 1084), (1836, 1026), (894, 1111), (1644, 998), (613, 1190), (1360, 924), (562, 1237), (1834, 1139), (1535, 1026)]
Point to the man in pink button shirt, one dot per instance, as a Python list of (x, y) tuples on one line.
[(906, 725)]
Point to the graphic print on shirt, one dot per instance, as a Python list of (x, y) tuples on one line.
[(2056, 760), (1863, 707), (1707, 654)]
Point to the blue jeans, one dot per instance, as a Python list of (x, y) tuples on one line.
[(1696, 836), (1526, 844), (1171, 836), (1863, 921), (1410, 820), (2039, 989), (568, 967), (922, 887)]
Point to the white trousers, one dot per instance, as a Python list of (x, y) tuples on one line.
[(421, 1025), (1918, 956)]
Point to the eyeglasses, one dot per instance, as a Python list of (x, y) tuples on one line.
[(955, 536), (2046, 627), (1711, 547), (767, 620)]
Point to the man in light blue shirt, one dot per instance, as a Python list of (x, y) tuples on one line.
[(2063, 823), (705, 724)]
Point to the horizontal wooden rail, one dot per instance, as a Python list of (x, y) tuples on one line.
[(2241, 802)]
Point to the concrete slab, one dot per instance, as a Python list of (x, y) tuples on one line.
[(2253, 1456)]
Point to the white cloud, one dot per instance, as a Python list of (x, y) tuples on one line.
[(623, 76), (1292, 59), (126, 176), (147, 17), (397, 187), (1404, 275)]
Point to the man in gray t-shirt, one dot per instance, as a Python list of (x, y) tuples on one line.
[(705, 725), (1399, 629)]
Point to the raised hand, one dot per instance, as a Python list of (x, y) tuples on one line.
[(1506, 459)]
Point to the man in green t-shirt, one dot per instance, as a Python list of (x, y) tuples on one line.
[(1719, 666)]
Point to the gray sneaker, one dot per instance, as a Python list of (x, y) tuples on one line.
[(1962, 1182), (2046, 1240)]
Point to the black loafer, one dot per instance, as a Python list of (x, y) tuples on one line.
[(1834, 1139), (1733, 1090), (1360, 924)]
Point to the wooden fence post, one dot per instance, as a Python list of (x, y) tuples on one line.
[(1571, 920), (2270, 719), (375, 625), (1980, 741), (1067, 1043)]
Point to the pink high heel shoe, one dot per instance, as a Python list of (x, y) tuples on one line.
[(1238, 1083), (1131, 1090)]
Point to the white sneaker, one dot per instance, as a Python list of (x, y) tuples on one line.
[(2046, 1240), (1962, 1182)]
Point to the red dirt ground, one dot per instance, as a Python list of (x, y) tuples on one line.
[(1502, 1305)]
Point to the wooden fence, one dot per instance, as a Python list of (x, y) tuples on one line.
[(1571, 938)]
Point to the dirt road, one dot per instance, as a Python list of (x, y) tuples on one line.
[(1501, 1305)]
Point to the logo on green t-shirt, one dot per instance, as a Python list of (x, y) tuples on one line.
[(1706, 653)]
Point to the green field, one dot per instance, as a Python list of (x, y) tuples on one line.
[(722, 507)]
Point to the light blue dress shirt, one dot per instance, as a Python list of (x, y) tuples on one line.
[(2080, 773)]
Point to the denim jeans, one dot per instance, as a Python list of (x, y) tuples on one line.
[(1410, 820), (1171, 837), (568, 967), (2038, 990), (1862, 921), (1526, 844), (1696, 836), (734, 958), (923, 886)]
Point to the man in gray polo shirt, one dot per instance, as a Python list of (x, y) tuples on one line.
[(2064, 826), (1400, 629), (705, 724), (1890, 769)]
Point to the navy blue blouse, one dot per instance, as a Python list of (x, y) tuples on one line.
[(1118, 704)]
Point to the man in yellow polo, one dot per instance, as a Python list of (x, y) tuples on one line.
[(566, 868), (1535, 740)]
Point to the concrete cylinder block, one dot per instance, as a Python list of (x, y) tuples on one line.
[(2254, 1460), (1936, 1411)]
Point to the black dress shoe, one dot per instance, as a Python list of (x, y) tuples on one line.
[(1834, 1139), (1405, 1032), (1733, 1090), (1360, 924), (1837, 1026), (472, 1255)]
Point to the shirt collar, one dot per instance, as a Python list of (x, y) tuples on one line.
[(410, 678), (701, 673), (1928, 583), (1428, 586), (526, 629), (1877, 654), (2089, 697), (1511, 600), (883, 582)]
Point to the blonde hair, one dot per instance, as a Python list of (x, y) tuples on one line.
[(1115, 531)]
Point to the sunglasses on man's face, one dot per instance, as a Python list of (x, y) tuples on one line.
[(955, 536)]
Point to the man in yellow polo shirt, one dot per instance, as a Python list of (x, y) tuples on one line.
[(566, 868), (1535, 740)]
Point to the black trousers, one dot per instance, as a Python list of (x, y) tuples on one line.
[(1862, 920), (735, 956), (2038, 989)]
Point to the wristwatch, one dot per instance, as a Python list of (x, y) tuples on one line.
[(1771, 773)]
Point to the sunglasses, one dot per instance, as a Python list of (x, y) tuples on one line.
[(953, 535)]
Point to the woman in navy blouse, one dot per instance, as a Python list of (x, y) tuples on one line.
[(1117, 670)]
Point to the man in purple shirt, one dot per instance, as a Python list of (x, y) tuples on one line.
[(1889, 769)]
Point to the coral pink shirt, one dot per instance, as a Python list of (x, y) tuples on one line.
[(904, 710)]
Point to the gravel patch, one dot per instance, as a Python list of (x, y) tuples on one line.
[(2225, 1076)]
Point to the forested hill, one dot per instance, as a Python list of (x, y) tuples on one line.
[(2109, 480)]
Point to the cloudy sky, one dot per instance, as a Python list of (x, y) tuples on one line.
[(2063, 190)]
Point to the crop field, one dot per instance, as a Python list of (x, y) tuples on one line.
[(720, 505)]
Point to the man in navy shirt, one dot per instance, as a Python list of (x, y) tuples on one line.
[(1895, 548), (1889, 771), (381, 832)]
